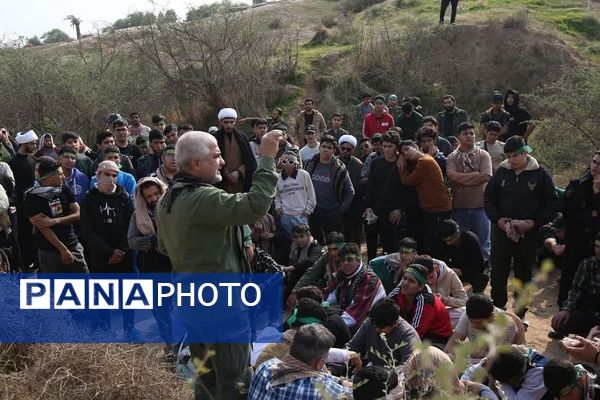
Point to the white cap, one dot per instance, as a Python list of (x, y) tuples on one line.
[(227, 113), (212, 129), (26, 137), (347, 139)]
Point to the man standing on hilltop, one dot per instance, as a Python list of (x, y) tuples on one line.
[(308, 116)]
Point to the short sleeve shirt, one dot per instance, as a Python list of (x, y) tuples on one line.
[(52, 205)]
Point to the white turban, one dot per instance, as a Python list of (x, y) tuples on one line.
[(347, 139), (26, 137), (227, 113)]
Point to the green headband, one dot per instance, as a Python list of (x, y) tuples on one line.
[(417, 275), (50, 174), (170, 152), (523, 149), (68, 154), (304, 320)]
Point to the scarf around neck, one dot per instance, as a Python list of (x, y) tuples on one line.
[(289, 370), (181, 181)]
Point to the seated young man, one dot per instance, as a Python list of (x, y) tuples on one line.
[(581, 311), (304, 252), (518, 370), (300, 374), (390, 267), (443, 281), (566, 381), (422, 308), (376, 382), (480, 313), (384, 319), (334, 322), (354, 288), (462, 252), (321, 272), (420, 372)]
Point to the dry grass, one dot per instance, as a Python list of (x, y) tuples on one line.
[(90, 371)]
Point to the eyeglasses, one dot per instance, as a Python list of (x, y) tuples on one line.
[(121, 129), (287, 162)]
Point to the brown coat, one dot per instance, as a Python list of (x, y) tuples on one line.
[(318, 123)]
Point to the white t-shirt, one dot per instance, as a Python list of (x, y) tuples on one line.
[(306, 153)]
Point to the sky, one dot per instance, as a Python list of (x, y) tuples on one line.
[(36, 17)]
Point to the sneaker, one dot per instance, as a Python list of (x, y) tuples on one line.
[(555, 335)]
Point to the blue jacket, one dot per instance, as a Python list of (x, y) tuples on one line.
[(79, 184)]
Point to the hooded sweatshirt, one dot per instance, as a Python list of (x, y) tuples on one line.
[(529, 194), (45, 151), (518, 115)]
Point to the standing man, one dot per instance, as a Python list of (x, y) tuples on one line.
[(451, 117), (379, 120), (581, 212), (277, 121), (168, 167), (150, 162), (136, 128), (312, 145), (75, 180), (492, 145), (52, 209), (426, 176), (387, 198), (240, 162), (333, 189), (308, 116), (519, 200), (194, 209), (336, 129), (365, 107), (409, 121), (496, 113), (393, 107), (443, 8), (83, 163), (469, 170), (129, 150), (352, 218), (23, 167), (520, 120)]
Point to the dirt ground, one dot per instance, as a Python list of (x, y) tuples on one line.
[(541, 310)]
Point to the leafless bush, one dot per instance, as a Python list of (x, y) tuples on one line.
[(99, 371)]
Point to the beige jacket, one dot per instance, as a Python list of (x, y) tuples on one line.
[(318, 123)]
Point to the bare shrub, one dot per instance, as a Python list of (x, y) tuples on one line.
[(101, 371), (329, 21)]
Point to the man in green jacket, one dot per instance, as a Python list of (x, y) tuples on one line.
[(451, 117), (199, 230)]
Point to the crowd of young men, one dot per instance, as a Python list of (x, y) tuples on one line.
[(439, 221)]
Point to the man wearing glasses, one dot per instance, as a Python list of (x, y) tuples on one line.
[(379, 120), (295, 197)]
